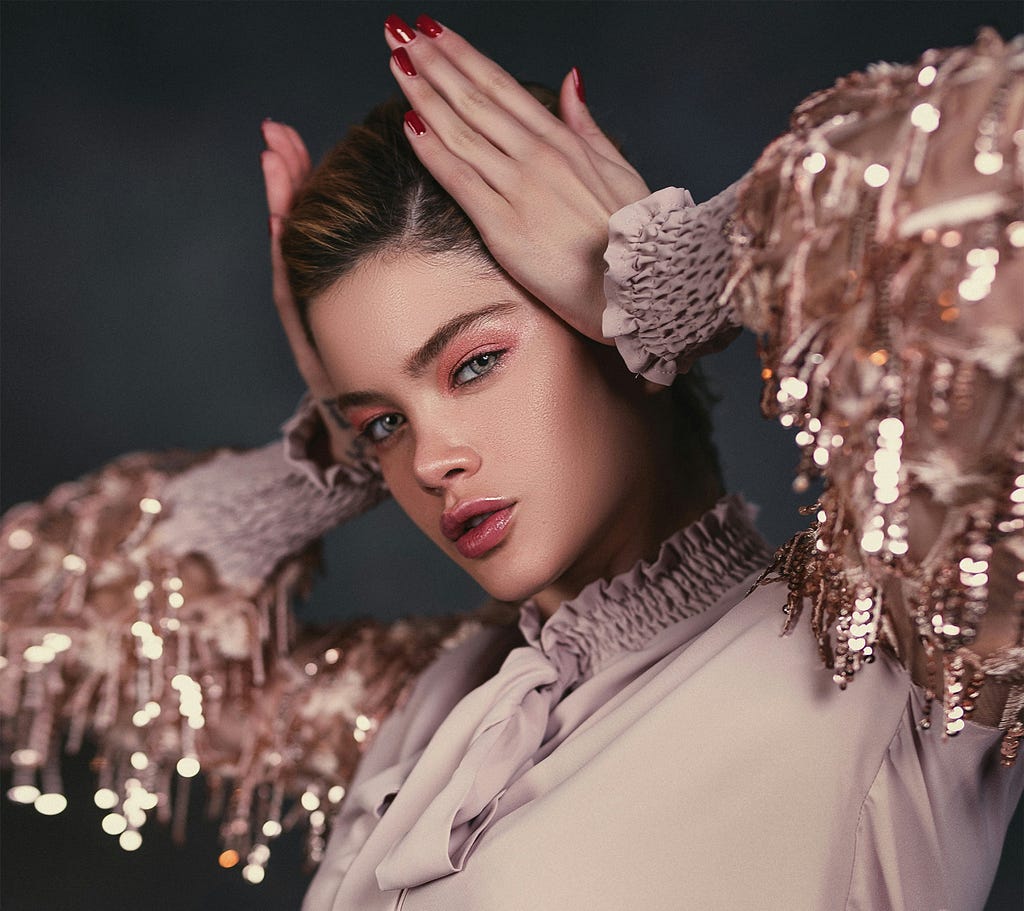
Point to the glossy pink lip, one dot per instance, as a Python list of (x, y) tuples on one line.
[(477, 541)]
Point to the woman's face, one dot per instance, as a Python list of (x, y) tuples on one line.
[(523, 450)]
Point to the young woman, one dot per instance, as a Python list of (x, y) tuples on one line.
[(633, 748), (644, 736)]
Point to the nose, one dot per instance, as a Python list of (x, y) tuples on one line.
[(438, 461)]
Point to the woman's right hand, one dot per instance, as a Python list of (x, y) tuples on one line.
[(286, 168), (538, 188)]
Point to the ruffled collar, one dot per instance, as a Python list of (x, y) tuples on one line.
[(693, 569), (493, 735)]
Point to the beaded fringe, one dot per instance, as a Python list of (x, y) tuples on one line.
[(894, 347), (172, 675)]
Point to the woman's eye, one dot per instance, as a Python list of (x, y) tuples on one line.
[(476, 367), (379, 429)]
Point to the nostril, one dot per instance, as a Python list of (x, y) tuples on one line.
[(452, 472)]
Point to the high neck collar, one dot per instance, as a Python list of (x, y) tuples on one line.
[(494, 734), (693, 569)]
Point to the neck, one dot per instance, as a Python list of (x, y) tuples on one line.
[(675, 487)]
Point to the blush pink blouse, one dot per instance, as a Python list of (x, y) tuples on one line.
[(657, 744)]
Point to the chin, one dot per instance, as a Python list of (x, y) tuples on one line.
[(510, 582), (508, 592)]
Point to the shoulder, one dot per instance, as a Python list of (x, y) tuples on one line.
[(781, 681), (471, 655)]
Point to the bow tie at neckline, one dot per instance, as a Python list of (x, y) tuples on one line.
[(492, 735)]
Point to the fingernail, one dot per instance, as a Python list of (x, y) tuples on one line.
[(577, 81), (430, 27), (414, 122), (401, 56), (399, 29)]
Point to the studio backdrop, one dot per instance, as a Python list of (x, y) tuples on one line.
[(136, 303)]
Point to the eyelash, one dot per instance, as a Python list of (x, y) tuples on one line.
[(372, 428), (496, 355), (369, 431)]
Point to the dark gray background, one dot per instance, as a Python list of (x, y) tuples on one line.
[(136, 311)]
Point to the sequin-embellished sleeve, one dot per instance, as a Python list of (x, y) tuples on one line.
[(876, 248), (146, 607), (880, 258), (668, 262)]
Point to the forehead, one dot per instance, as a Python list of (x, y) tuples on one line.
[(390, 305)]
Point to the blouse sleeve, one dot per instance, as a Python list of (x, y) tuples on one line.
[(876, 248), (146, 607), (668, 261), (246, 512)]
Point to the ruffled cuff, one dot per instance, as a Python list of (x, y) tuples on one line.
[(247, 511), (668, 263), (299, 434)]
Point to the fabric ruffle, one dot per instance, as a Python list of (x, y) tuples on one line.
[(668, 263), (298, 434), (492, 736), (247, 511), (694, 568)]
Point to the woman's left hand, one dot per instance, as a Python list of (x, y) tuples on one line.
[(539, 189)]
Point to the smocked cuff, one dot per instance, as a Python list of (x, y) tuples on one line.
[(298, 435), (668, 264)]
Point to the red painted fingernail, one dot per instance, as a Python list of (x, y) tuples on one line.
[(401, 56), (399, 29), (414, 122), (430, 27), (577, 81)]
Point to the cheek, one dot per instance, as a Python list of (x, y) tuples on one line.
[(588, 403), (561, 428), (422, 508), (580, 425)]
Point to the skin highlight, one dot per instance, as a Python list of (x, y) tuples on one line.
[(469, 388)]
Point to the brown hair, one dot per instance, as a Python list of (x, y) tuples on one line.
[(371, 195), (368, 196)]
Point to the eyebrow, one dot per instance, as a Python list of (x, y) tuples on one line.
[(430, 350), (357, 399), (418, 362)]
